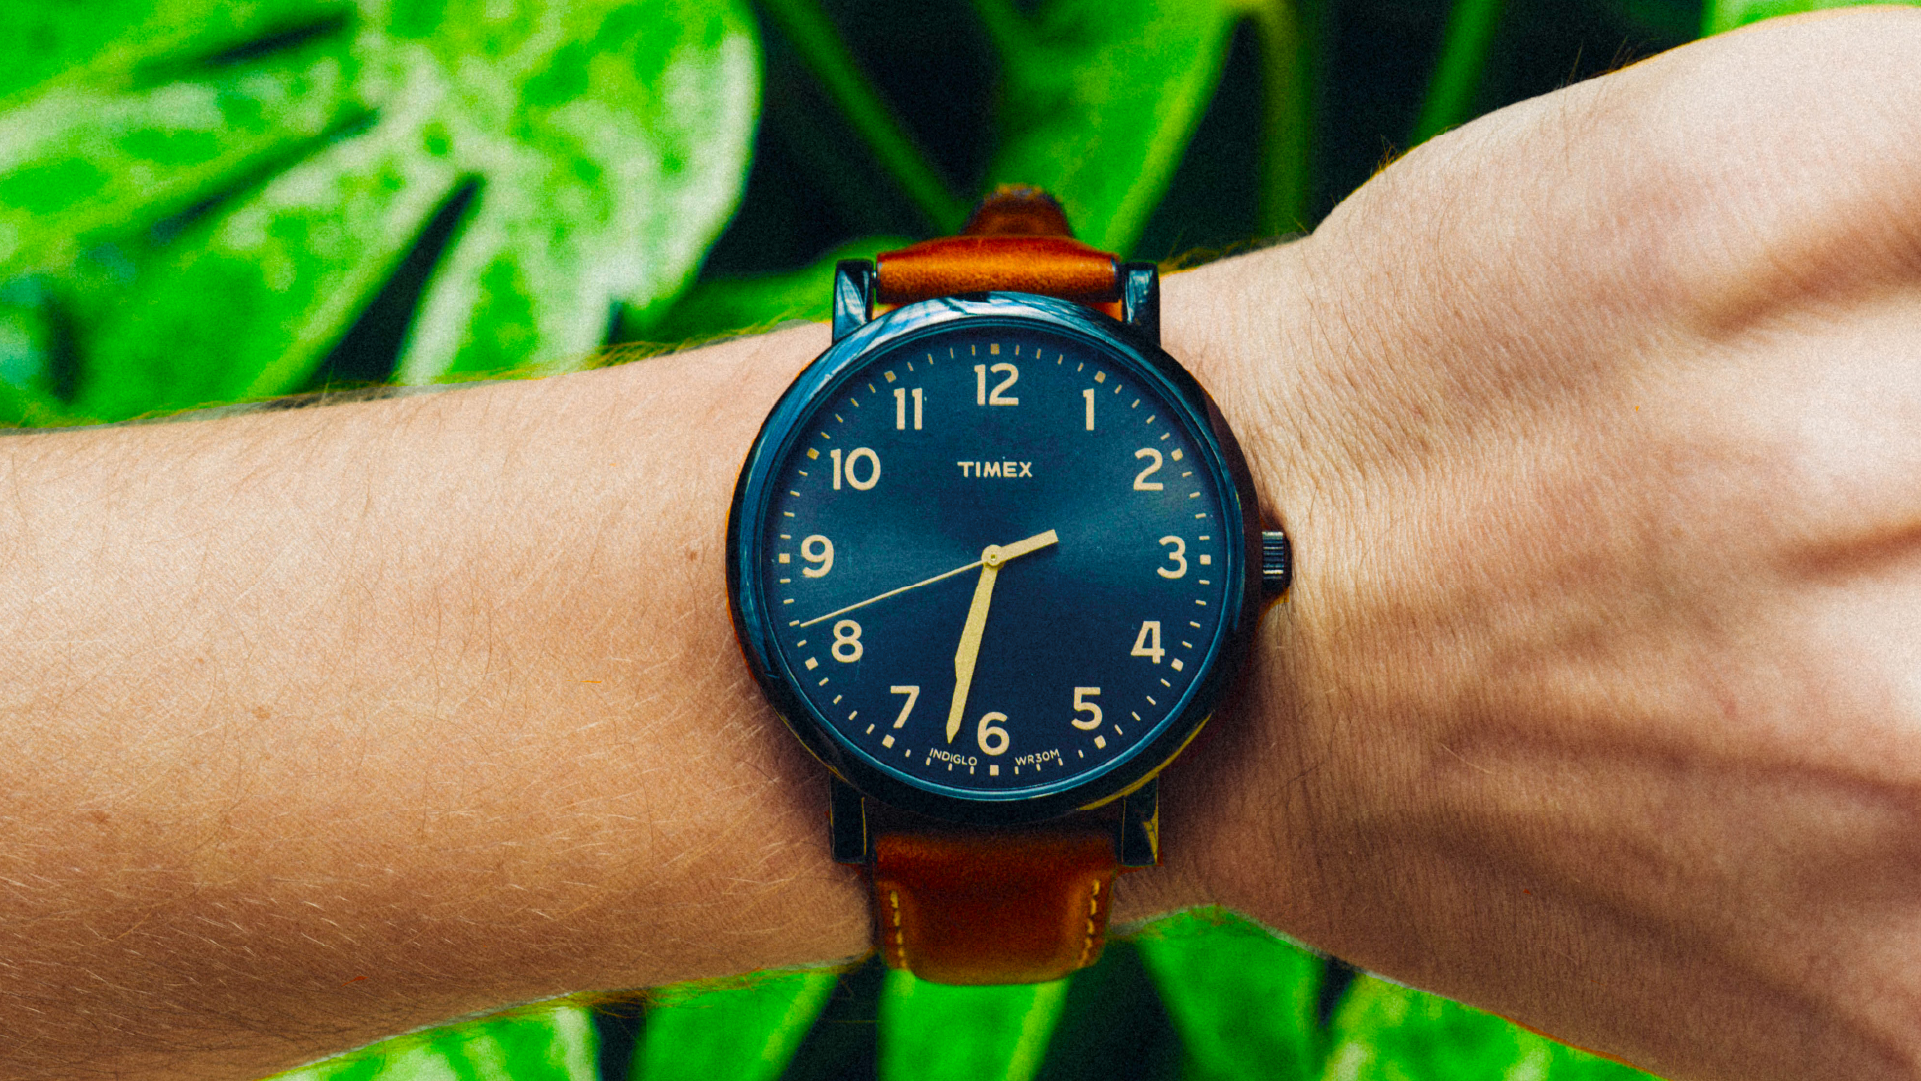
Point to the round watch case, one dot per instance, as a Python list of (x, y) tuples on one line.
[(847, 359)]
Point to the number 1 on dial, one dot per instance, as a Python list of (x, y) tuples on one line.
[(1089, 395)]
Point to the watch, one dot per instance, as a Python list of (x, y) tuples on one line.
[(994, 557)]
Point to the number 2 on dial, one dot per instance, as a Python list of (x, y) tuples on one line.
[(1141, 483)]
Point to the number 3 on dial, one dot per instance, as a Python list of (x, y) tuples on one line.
[(1178, 556)]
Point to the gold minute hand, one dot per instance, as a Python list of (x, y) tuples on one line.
[(970, 641)]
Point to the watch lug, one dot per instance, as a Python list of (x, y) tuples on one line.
[(1141, 299), (1140, 840), (853, 295), (847, 822)]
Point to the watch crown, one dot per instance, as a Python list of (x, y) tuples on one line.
[(1277, 562)]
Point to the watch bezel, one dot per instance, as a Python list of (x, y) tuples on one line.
[(754, 626)]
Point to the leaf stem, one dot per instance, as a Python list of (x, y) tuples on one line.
[(828, 57), (1450, 95), (1002, 22), (1286, 116)]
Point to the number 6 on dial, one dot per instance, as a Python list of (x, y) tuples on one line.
[(993, 738)]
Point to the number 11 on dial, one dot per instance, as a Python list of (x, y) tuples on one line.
[(900, 408)]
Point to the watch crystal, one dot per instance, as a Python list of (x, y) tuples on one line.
[(997, 560)]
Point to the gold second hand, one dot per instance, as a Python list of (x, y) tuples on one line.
[(1018, 548), (891, 592)]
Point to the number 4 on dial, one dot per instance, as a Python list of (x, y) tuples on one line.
[(1148, 642)]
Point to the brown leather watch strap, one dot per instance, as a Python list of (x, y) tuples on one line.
[(1018, 240), (986, 907), (1016, 905)]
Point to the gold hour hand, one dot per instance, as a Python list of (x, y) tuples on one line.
[(992, 557), (1022, 547)]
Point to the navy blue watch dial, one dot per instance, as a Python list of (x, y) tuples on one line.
[(999, 559)]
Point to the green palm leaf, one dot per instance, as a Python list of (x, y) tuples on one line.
[(1387, 1032), (549, 1043), (217, 193), (932, 1032), (1243, 1000), (743, 1029), (1720, 15)]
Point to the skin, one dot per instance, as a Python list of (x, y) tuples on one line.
[(1597, 428)]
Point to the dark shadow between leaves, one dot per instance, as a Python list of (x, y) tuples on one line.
[(274, 40), (844, 1042), (369, 351), (255, 176)]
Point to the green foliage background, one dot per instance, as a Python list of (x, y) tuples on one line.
[(206, 202)]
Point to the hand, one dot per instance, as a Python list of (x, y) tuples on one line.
[(992, 557), (1596, 699)]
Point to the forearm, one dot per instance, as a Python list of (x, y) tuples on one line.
[(333, 722)]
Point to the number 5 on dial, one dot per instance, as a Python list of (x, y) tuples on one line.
[(1082, 705)]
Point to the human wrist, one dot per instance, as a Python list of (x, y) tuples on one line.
[(1239, 327)]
